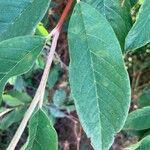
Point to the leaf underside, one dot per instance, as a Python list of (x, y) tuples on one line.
[(99, 81)]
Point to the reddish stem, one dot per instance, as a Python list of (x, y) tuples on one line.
[(63, 16), (40, 92)]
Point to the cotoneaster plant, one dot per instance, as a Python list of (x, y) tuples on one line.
[(100, 33)]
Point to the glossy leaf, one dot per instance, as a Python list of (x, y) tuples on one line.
[(20, 17), (139, 34), (17, 56), (99, 81), (137, 120), (42, 135), (118, 15)]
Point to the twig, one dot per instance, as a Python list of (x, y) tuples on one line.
[(137, 80), (122, 3), (41, 89), (63, 65), (6, 111), (66, 145), (79, 138), (48, 65), (78, 1), (62, 18), (55, 32), (78, 133), (39, 94)]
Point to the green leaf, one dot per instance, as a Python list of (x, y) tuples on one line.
[(17, 56), (133, 2), (11, 101), (133, 146), (19, 18), (137, 133), (42, 135), (53, 76), (144, 144), (144, 99), (12, 117), (98, 78), (15, 98), (59, 97), (138, 119), (118, 16), (18, 83), (56, 112), (40, 30), (2, 109), (139, 33)]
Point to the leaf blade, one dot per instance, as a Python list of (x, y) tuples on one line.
[(90, 55), (17, 56), (139, 36), (26, 15), (42, 135), (12, 117), (137, 120), (14, 98), (117, 15), (141, 145), (144, 99)]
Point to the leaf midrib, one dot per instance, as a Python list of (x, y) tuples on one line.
[(30, 148), (93, 76), (140, 31)]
